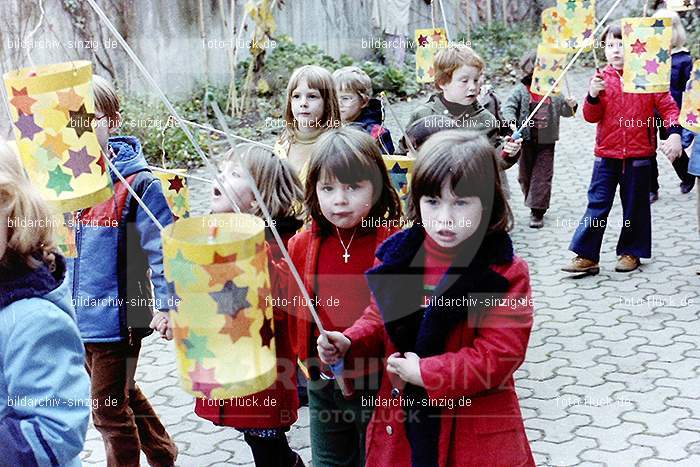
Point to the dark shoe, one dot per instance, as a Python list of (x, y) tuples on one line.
[(627, 263), (653, 197), (686, 187), (536, 222), (582, 265)]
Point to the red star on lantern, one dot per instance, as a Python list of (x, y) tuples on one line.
[(422, 40), (176, 184), (639, 47), (22, 101)]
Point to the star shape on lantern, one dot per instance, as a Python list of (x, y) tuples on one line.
[(264, 293), (176, 183), (53, 118), (59, 181), (55, 143), (230, 299), (663, 55), (81, 120), (197, 347), (437, 36), (21, 100), (691, 118), (651, 66), (172, 290), (586, 4), (180, 334), (259, 261), (587, 33), (47, 160), (69, 101), (639, 47), (658, 26), (101, 163), (266, 333), (203, 380), (431, 72), (571, 6), (179, 202), (79, 162), (422, 40), (237, 327), (640, 82), (398, 176), (219, 259), (220, 273), (25, 124), (181, 269), (627, 29)]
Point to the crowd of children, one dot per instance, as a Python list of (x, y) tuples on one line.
[(406, 337)]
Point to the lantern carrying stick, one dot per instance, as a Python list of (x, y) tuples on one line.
[(396, 119)]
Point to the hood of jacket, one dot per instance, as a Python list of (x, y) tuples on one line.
[(372, 114), (39, 282), (128, 156)]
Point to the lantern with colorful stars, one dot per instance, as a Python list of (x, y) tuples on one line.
[(549, 65), (223, 322), (690, 110), (550, 27), (647, 50), (576, 24), (53, 110), (680, 5), (176, 191), (400, 169), (428, 42)]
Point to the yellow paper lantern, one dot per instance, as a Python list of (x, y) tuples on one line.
[(64, 234), (428, 42), (576, 24), (680, 5), (550, 27), (223, 323), (690, 110), (400, 169), (176, 191), (647, 50), (549, 65), (53, 110)]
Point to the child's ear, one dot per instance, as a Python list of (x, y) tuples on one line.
[(365, 101), (115, 123)]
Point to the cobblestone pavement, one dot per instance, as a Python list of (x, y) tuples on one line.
[(611, 374)]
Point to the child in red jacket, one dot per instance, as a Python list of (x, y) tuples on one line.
[(451, 311), (625, 147)]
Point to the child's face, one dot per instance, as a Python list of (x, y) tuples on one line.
[(351, 104), (614, 52), (344, 205), (448, 219), (464, 87), (307, 107), (236, 186)]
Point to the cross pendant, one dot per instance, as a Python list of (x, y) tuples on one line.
[(346, 256)]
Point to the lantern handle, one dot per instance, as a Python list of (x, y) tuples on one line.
[(396, 119)]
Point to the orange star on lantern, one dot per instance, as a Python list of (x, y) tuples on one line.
[(437, 36), (69, 100), (22, 101), (259, 261), (220, 273), (263, 296), (55, 143), (237, 327), (218, 259)]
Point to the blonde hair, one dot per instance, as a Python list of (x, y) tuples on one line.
[(353, 79), (19, 200), (279, 186), (447, 60), (106, 99), (679, 37), (316, 78)]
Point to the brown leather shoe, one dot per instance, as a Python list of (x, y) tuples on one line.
[(582, 265), (627, 263)]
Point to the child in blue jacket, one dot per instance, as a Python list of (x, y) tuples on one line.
[(44, 389), (119, 256)]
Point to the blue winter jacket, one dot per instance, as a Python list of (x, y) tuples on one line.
[(117, 245), (44, 388)]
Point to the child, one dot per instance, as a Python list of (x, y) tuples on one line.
[(681, 67), (353, 208), (42, 356), (624, 151), (357, 107), (312, 108), (118, 245), (537, 159), (264, 427), (449, 374), (458, 78)]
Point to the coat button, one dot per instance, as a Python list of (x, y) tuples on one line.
[(389, 430), (395, 392)]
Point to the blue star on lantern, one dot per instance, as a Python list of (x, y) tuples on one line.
[(231, 299)]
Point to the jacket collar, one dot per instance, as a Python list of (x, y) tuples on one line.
[(30, 283)]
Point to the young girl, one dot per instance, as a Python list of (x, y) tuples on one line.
[(42, 355), (312, 108), (353, 208), (537, 159), (451, 312), (624, 152), (264, 427), (681, 66)]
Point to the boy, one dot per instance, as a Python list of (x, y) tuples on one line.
[(357, 107), (458, 78), (623, 157), (118, 244)]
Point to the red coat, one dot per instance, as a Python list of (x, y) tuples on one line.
[(625, 121), (480, 354)]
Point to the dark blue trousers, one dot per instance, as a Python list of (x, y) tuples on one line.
[(632, 175)]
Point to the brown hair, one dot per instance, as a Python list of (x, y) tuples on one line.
[(26, 246), (350, 156), (317, 78), (613, 29), (467, 161), (106, 98), (527, 62), (353, 79), (447, 60)]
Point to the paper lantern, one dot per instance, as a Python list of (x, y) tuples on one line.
[(176, 192), (400, 169), (549, 65), (576, 24), (428, 42), (223, 323), (680, 5), (53, 110), (647, 49), (64, 234), (690, 110)]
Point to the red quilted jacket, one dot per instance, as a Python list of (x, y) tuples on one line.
[(625, 121)]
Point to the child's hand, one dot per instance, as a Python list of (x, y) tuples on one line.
[(332, 346), (511, 146), (597, 85), (571, 101), (672, 147), (407, 368), (161, 323)]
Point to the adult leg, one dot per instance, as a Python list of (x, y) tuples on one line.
[(635, 235)]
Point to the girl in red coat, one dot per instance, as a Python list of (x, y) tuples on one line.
[(264, 427), (451, 312), (353, 208)]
